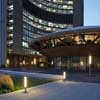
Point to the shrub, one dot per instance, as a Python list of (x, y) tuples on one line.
[(6, 84)]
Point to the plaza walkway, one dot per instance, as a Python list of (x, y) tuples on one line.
[(58, 91)]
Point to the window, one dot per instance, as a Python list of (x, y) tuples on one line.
[(10, 42), (25, 44)]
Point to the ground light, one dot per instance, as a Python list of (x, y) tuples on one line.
[(25, 84), (90, 62), (64, 75)]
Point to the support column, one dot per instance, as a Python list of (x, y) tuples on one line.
[(3, 5)]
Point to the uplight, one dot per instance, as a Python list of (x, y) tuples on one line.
[(25, 84), (64, 75), (90, 60)]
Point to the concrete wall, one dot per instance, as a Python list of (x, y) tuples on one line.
[(2, 32)]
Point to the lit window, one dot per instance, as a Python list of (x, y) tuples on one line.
[(40, 5), (40, 21), (11, 28), (25, 44), (10, 42), (69, 7), (65, 6), (10, 35), (39, 26), (11, 21), (35, 61), (70, 2), (10, 50), (89, 37), (50, 24), (48, 29), (10, 7), (54, 0), (37, 53)]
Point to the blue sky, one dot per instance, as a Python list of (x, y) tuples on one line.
[(91, 12)]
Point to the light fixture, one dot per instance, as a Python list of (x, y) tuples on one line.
[(35, 61), (64, 75), (90, 60), (7, 61), (25, 84), (52, 62), (81, 63), (23, 62)]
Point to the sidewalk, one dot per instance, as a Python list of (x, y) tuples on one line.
[(58, 91)]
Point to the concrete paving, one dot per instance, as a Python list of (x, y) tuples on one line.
[(66, 90)]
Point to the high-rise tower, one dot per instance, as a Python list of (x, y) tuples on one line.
[(25, 20)]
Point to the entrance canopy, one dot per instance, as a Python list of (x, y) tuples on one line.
[(78, 41)]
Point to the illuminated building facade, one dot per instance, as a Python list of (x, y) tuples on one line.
[(72, 48), (26, 20)]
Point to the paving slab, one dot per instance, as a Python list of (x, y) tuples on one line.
[(61, 90)]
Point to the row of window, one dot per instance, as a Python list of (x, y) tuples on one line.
[(41, 24), (64, 7), (10, 27), (10, 7), (60, 1), (29, 33), (33, 29), (32, 34)]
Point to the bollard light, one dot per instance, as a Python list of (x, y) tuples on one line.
[(64, 75), (25, 84), (90, 62)]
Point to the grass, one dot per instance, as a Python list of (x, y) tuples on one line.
[(18, 83)]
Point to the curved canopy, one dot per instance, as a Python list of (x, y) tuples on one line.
[(79, 41)]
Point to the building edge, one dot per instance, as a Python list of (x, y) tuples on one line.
[(3, 31)]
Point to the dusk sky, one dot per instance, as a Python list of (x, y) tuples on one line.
[(92, 12)]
